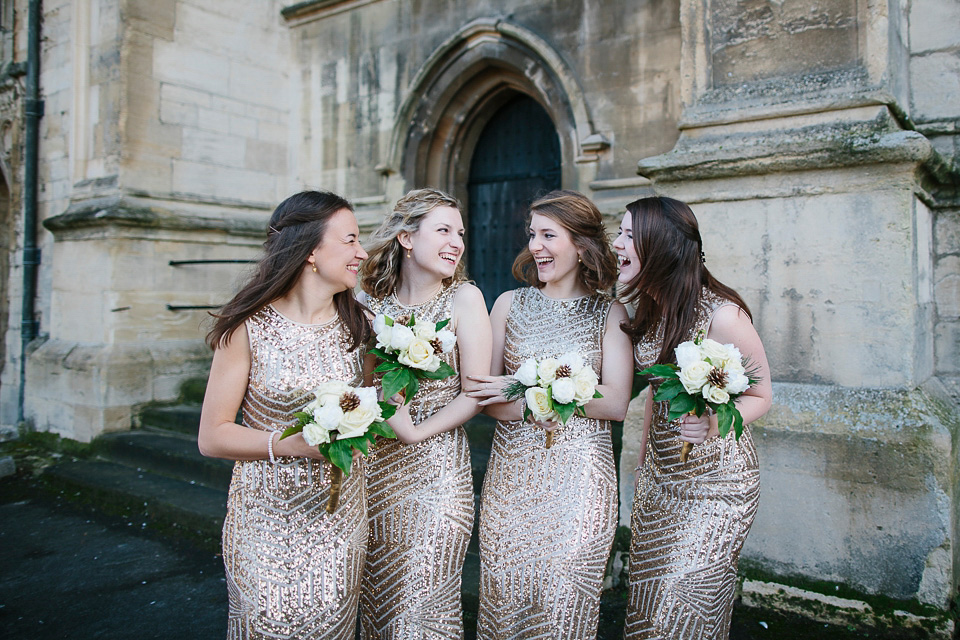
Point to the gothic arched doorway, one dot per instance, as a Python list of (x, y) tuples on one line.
[(516, 159)]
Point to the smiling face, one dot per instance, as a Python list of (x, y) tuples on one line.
[(626, 251), (553, 250), (437, 245), (339, 254)]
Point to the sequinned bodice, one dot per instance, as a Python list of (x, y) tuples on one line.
[(433, 394), (288, 360), (541, 327)]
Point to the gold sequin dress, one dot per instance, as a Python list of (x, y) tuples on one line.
[(293, 570), (421, 511), (547, 516), (689, 521)]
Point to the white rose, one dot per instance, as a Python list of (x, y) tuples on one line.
[(447, 340), (586, 383), (384, 337), (368, 399), (328, 416), (330, 391), (715, 394), (380, 323), (564, 390), (718, 353), (356, 422), (419, 355), (687, 353), (694, 376), (539, 403), (425, 330), (527, 373), (547, 370), (400, 337), (573, 360), (314, 434), (736, 383)]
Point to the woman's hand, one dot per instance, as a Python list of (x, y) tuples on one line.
[(488, 389), (402, 424), (295, 446), (695, 429), (546, 425)]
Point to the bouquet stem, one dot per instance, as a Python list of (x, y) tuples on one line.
[(685, 451), (336, 482), (549, 442)]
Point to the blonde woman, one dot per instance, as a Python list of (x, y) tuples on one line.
[(420, 486)]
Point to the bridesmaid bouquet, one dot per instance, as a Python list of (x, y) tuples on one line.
[(707, 374), (410, 352), (554, 388), (338, 421)]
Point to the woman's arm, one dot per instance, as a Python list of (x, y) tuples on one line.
[(487, 390), (731, 325), (616, 370), (472, 326), (645, 427), (220, 436)]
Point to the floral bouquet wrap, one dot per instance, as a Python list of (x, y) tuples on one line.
[(707, 374), (554, 388), (410, 351), (339, 420)]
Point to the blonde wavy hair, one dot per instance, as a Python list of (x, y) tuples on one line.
[(380, 272)]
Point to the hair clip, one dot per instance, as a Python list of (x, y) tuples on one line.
[(703, 258)]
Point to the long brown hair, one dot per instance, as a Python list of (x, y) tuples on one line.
[(672, 272), (380, 272), (295, 229), (581, 218)]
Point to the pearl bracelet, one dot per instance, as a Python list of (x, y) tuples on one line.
[(270, 447)]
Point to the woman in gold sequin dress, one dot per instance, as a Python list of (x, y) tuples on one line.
[(292, 569), (420, 486), (548, 516), (690, 519)]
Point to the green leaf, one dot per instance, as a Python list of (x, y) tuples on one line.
[(387, 410), (387, 320), (413, 320), (661, 371), (394, 381), (527, 414), (303, 418), (382, 429), (565, 411), (386, 365), (668, 390), (443, 371), (341, 454), (597, 394), (681, 405), (442, 324), (701, 406), (412, 387), (725, 419), (737, 421), (383, 355), (289, 431), (360, 443)]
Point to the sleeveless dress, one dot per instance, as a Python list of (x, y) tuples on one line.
[(293, 570), (547, 516), (689, 521), (420, 510)]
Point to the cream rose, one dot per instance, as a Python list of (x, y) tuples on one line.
[(355, 423), (419, 355), (585, 383), (687, 353), (564, 390), (447, 340), (314, 434), (573, 360), (425, 330), (736, 383), (539, 403), (328, 416), (547, 370), (330, 392), (380, 323), (718, 353), (384, 337), (715, 394), (694, 376), (527, 373)]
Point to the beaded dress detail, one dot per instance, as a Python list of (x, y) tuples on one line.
[(293, 570), (420, 508), (689, 521), (547, 516)]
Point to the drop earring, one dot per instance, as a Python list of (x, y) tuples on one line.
[(408, 253), (314, 268)]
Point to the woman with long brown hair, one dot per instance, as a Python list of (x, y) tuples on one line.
[(421, 485), (293, 570), (690, 517), (548, 515)]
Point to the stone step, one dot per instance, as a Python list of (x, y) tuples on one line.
[(181, 418), (170, 454), (189, 508)]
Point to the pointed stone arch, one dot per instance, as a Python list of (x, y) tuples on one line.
[(463, 83)]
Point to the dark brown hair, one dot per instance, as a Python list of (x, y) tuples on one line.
[(672, 273), (295, 229), (380, 273), (581, 218)]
